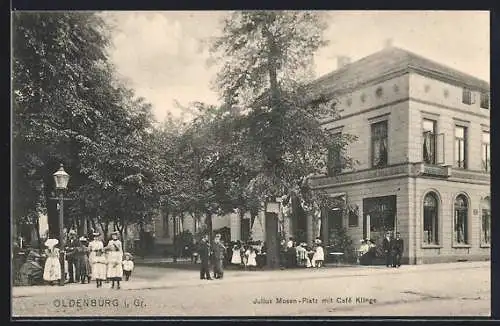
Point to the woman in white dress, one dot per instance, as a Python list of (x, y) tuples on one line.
[(115, 259), (236, 256), (319, 255), (52, 270), (94, 246)]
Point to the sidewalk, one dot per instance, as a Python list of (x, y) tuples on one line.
[(191, 278)]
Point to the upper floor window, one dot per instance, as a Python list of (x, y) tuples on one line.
[(429, 143), (467, 96), (485, 151), (485, 101), (334, 162), (460, 147), (379, 144)]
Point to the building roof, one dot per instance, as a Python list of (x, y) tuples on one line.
[(391, 60)]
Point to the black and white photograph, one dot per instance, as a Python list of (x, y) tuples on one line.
[(250, 164)]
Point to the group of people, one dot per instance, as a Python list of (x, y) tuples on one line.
[(245, 254), (393, 249), (85, 261), (301, 255), (211, 255)]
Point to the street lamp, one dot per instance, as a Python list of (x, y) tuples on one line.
[(61, 179)]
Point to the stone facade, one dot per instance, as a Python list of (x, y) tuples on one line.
[(404, 99)]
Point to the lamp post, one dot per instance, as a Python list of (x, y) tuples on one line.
[(61, 179)]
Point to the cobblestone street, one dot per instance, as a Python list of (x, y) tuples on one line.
[(457, 289)]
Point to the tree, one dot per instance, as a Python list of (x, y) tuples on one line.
[(265, 57), (55, 56)]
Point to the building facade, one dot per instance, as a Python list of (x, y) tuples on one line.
[(423, 156)]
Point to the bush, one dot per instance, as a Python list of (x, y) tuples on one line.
[(340, 241)]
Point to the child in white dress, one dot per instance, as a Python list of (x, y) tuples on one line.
[(236, 257), (319, 255), (251, 258), (99, 267), (128, 266)]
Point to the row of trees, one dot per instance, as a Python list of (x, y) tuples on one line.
[(262, 142)]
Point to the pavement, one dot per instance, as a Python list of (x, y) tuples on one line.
[(453, 289)]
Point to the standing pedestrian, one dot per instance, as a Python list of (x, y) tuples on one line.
[(219, 251), (128, 266), (83, 267), (52, 270), (115, 258), (398, 247), (71, 246), (204, 251), (94, 246), (386, 245), (236, 256), (319, 254), (99, 267), (252, 258)]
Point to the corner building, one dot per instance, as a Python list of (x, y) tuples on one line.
[(423, 153)]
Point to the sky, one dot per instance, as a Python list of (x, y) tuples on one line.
[(163, 55)]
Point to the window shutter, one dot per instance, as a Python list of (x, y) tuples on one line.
[(440, 149), (473, 97)]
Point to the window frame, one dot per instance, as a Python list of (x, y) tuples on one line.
[(336, 168), (457, 141), (484, 98), (466, 230), (374, 137), (433, 138), (468, 96), (485, 152), (437, 224), (484, 244)]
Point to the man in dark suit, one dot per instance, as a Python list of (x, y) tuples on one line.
[(219, 251), (71, 246), (397, 250), (204, 251), (386, 245)]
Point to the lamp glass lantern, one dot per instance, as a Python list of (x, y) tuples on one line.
[(61, 178)]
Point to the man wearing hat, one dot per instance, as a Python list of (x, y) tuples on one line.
[(83, 269), (71, 247), (397, 250), (204, 249), (219, 251)]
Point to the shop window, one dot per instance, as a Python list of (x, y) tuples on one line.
[(431, 218), (486, 221), (461, 220)]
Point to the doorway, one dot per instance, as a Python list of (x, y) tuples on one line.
[(379, 217)]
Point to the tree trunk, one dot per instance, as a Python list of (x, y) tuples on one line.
[(37, 232), (209, 226)]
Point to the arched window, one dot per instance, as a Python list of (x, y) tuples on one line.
[(486, 221), (431, 226), (461, 220)]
